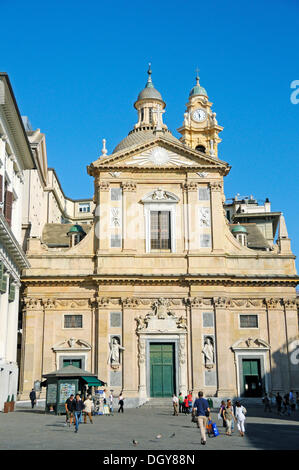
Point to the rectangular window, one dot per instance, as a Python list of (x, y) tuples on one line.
[(160, 230), (115, 241), (248, 321), (73, 321), (84, 207), (116, 194)]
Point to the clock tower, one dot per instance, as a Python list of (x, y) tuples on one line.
[(200, 128)]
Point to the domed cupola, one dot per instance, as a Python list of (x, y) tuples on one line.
[(150, 106), (197, 90)]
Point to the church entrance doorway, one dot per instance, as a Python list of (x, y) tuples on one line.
[(252, 377), (162, 369)]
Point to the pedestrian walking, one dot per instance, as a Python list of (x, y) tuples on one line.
[(88, 407), (201, 406), (190, 400), (221, 413), (240, 417), (110, 402), (267, 403), (69, 410), (175, 403), (77, 408), (32, 396), (229, 417), (181, 403), (121, 402), (292, 401), (278, 399), (186, 405), (297, 400)]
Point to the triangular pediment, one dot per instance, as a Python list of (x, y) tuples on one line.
[(159, 153)]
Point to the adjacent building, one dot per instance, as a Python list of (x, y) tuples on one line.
[(15, 158), (170, 288)]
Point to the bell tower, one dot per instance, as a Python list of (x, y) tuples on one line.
[(200, 128)]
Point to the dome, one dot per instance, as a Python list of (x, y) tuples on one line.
[(239, 229), (149, 91), (139, 136), (197, 90), (76, 229)]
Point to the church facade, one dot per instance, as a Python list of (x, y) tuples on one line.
[(162, 294)]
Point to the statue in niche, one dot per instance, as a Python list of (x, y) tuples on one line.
[(115, 349), (208, 352)]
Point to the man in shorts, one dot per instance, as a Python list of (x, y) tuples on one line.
[(69, 411)]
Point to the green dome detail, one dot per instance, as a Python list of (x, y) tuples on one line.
[(76, 229), (239, 229), (197, 90)]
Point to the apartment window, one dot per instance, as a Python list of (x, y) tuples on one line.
[(248, 321), (73, 321), (116, 194), (160, 230), (84, 207)]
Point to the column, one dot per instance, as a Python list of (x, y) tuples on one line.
[(103, 339), (225, 357), (292, 340), (217, 218), (4, 318), (280, 373), (130, 212), (102, 232), (192, 204), (129, 342), (12, 328)]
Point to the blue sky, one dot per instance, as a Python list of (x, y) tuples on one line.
[(77, 67)]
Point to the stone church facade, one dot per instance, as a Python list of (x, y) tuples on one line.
[(162, 295)]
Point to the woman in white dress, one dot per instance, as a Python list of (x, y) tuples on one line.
[(240, 416)]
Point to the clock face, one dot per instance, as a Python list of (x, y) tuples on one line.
[(199, 115)]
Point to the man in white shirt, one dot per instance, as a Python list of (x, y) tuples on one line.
[(88, 406), (175, 402)]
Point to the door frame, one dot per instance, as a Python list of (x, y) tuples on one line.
[(240, 355), (173, 364), (173, 341)]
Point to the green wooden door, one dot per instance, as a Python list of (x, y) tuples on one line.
[(252, 378), (162, 369), (72, 362)]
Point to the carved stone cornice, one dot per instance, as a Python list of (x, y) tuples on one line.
[(215, 185), (129, 186), (291, 303), (272, 303), (191, 186), (32, 303), (130, 302), (222, 302), (103, 185)]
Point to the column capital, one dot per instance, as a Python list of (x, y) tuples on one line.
[(191, 186), (215, 185), (129, 186)]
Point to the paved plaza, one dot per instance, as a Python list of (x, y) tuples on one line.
[(26, 429)]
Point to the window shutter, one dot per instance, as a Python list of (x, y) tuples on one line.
[(12, 292), (3, 284), (8, 207)]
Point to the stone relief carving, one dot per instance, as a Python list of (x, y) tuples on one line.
[(115, 174), (204, 217), (250, 343), (104, 186), (131, 302), (290, 303), (273, 303), (161, 311), (216, 186), (191, 186)]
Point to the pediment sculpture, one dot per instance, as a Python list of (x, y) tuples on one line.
[(250, 343), (72, 344), (160, 318)]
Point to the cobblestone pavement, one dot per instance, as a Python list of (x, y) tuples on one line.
[(35, 430)]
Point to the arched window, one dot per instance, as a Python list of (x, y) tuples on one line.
[(201, 148)]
